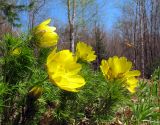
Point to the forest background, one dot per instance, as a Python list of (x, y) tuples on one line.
[(128, 28)]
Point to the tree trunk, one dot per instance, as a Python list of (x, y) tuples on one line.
[(142, 36), (73, 27), (71, 21)]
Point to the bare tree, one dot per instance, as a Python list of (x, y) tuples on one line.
[(71, 20), (139, 26), (37, 6)]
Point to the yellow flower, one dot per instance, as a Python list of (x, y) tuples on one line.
[(120, 68), (63, 71), (44, 34), (16, 51), (85, 52)]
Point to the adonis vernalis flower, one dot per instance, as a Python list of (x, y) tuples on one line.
[(44, 34), (85, 52), (120, 68), (63, 71)]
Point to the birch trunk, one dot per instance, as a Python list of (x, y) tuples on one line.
[(73, 27), (71, 21)]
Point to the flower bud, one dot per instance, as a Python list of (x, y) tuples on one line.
[(36, 92), (16, 51)]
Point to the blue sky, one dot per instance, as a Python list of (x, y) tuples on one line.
[(109, 12)]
